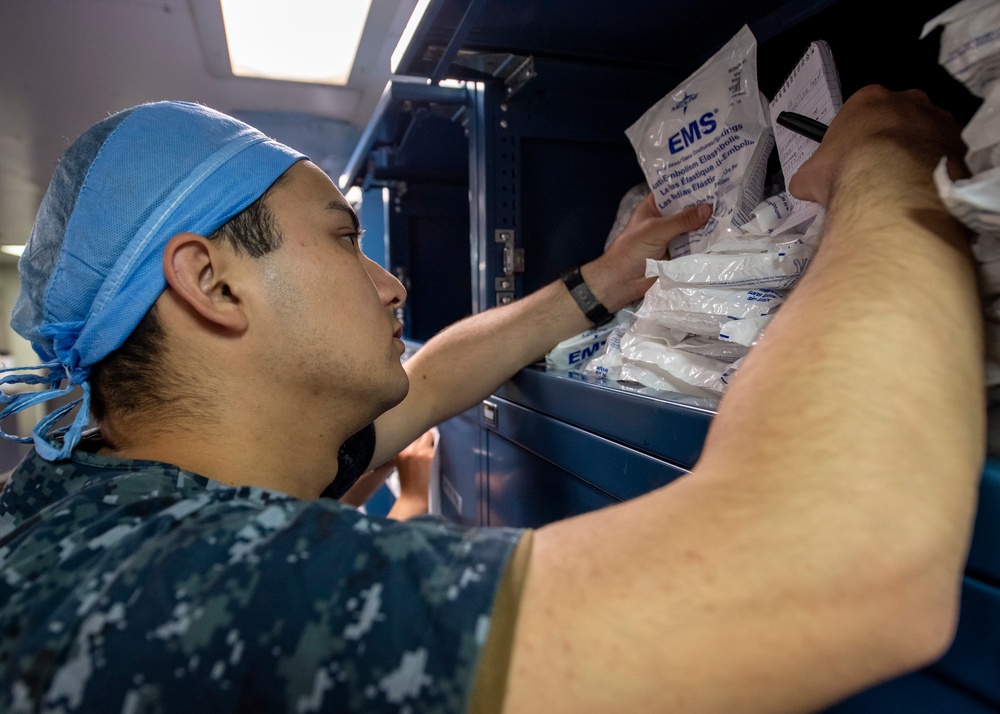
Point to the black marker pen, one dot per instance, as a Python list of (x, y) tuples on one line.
[(801, 124)]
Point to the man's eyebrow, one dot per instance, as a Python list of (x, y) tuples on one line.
[(345, 208)]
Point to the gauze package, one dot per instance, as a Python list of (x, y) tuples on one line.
[(777, 215), (970, 43), (982, 134), (674, 371), (974, 201), (670, 360), (708, 141), (572, 354), (607, 363), (703, 311), (970, 52), (678, 339), (747, 331), (777, 268)]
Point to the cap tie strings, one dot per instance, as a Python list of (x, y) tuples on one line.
[(44, 441)]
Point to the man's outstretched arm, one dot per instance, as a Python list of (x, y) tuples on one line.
[(817, 547), (465, 362)]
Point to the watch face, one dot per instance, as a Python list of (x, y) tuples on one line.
[(584, 297)]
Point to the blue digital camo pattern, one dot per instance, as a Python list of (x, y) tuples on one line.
[(131, 586)]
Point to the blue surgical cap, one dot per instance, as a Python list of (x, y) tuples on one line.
[(92, 266)]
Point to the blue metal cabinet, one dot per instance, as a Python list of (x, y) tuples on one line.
[(526, 490), (536, 466), (463, 478)]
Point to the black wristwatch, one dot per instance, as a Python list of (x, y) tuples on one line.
[(591, 306)]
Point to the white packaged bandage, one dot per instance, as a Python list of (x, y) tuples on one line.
[(652, 377), (572, 354), (974, 201), (607, 363), (982, 134), (698, 344), (670, 368), (708, 141), (703, 311), (777, 269), (775, 216), (970, 43), (747, 331)]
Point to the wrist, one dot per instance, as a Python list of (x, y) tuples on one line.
[(586, 300), (893, 188), (612, 289)]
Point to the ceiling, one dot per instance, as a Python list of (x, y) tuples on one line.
[(66, 64)]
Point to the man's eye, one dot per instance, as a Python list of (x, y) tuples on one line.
[(354, 238)]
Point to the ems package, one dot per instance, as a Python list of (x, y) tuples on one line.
[(708, 141)]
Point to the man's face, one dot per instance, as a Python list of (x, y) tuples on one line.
[(336, 337)]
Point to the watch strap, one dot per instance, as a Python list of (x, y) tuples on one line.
[(590, 305)]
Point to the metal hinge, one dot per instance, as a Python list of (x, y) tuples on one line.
[(513, 262)]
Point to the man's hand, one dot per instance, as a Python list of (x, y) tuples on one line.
[(902, 132), (414, 467), (618, 277)]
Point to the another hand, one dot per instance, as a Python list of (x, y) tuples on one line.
[(618, 277), (414, 467), (900, 137)]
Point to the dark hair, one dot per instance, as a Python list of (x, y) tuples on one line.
[(131, 380)]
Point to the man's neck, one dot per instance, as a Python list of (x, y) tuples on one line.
[(301, 465)]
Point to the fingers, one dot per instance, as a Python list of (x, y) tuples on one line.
[(422, 446), (694, 217), (645, 210), (687, 220), (618, 277), (659, 231), (875, 122), (648, 234)]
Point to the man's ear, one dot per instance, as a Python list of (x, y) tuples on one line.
[(201, 273)]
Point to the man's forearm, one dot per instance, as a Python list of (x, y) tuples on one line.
[(466, 361), (868, 386)]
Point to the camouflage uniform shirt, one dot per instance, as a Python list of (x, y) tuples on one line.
[(134, 586)]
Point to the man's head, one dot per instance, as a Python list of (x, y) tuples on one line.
[(131, 379), (97, 258)]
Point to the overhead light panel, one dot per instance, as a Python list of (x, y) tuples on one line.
[(12, 249), (297, 40), (404, 40)]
